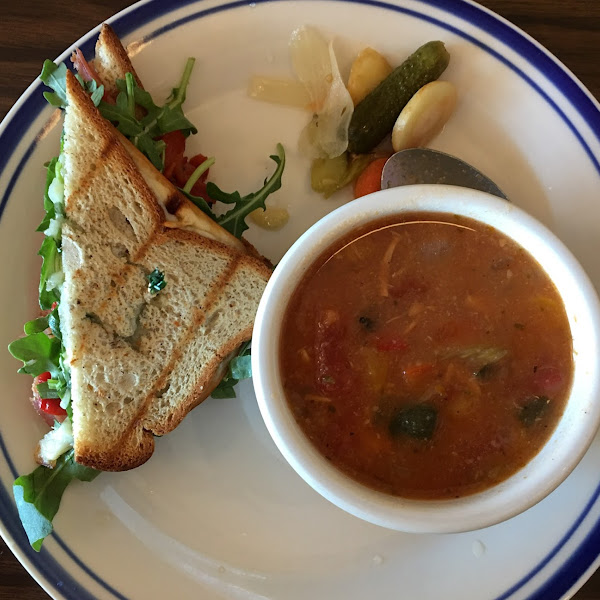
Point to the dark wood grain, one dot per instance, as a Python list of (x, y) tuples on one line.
[(32, 30)]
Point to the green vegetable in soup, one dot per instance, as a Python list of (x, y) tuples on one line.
[(416, 421), (367, 323), (533, 410), (486, 372)]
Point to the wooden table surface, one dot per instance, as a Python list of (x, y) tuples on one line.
[(32, 30)]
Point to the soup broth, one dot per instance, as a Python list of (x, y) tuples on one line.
[(428, 356)]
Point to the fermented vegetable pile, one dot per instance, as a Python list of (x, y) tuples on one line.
[(349, 133)]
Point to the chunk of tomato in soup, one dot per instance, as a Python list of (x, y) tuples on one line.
[(333, 373)]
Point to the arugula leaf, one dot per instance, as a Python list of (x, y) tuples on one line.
[(95, 91), (55, 77), (54, 324), (49, 250), (45, 391), (119, 113), (36, 325), (234, 220), (157, 120), (39, 353), (174, 120), (178, 94), (153, 149), (198, 172), (48, 204), (168, 117), (200, 202), (56, 388), (38, 495), (239, 368), (51, 264)]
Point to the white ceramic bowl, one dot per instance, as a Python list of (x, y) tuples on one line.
[(543, 473)]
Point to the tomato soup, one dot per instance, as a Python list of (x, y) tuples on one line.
[(428, 356)]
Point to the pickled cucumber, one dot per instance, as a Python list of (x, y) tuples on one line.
[(375, 115)]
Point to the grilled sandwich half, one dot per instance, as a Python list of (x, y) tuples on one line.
[(150, 313)]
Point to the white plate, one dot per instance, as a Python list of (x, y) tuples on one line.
[(217, 513)]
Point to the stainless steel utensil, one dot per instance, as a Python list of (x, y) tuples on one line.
[(423, 165)]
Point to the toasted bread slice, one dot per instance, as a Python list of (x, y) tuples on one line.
[(112, 61), (139, 361)]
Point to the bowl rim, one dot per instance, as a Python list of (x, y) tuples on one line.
[(557, 458)]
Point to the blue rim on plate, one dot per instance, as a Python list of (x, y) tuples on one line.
[(43, 564)]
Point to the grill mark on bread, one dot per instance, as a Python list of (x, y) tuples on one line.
[(139, 425), (199, 318), (130, 268), (110, 146), (173, 202), (125, 454)]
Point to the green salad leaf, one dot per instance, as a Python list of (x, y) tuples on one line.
[(51, 265), (50, 275), (39, 353), (239, 368), (38, 495), (200, 202), (157, 120), (55, 77), (48, 204), (95, 91), (54, 324), (36, 325), (46, 390), (142, 131), (234, 220)]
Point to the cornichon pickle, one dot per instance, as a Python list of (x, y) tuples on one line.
[(328, 175), (375, 116)]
